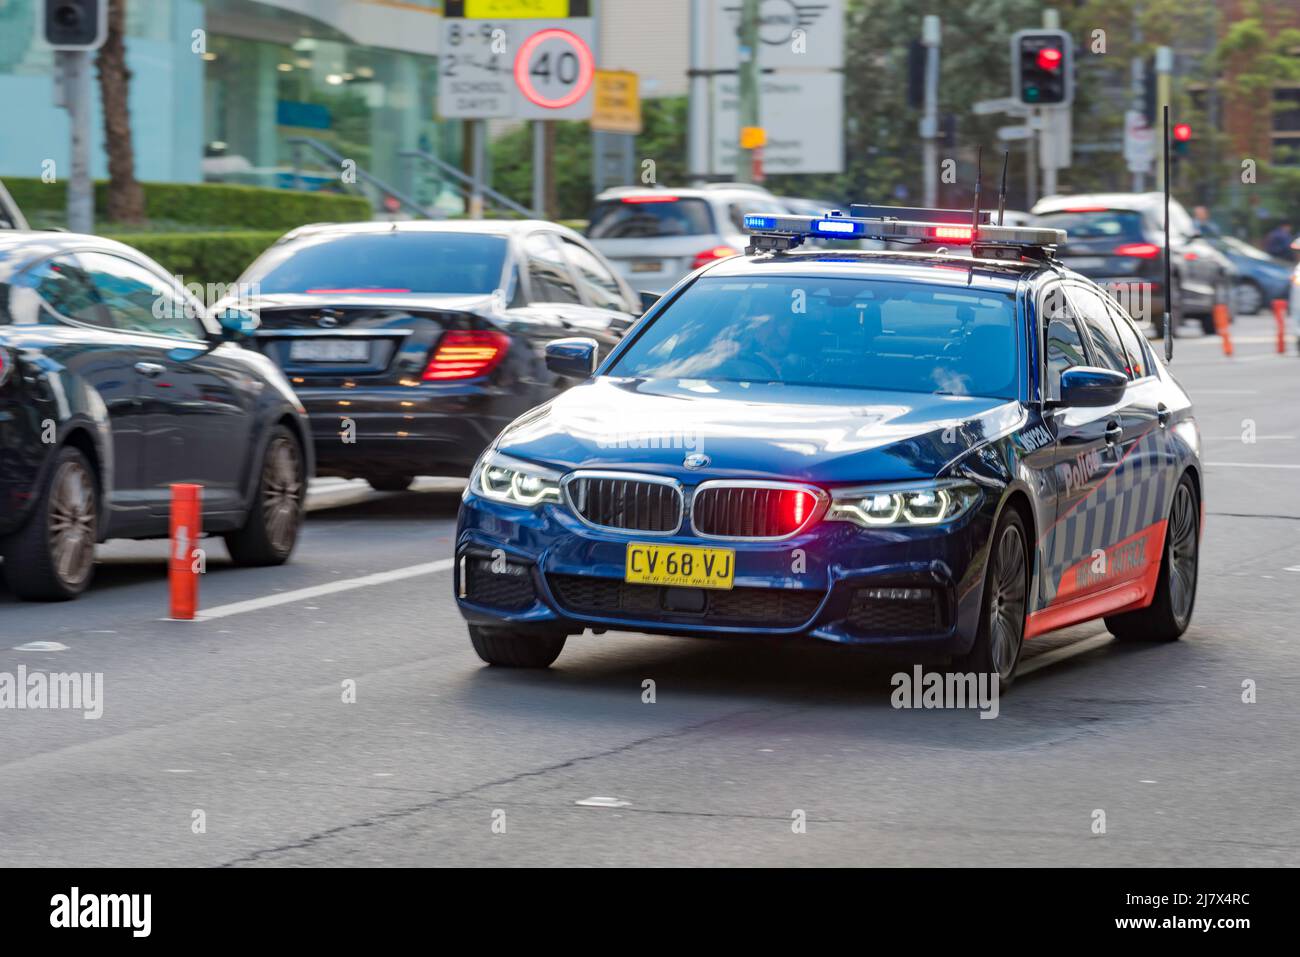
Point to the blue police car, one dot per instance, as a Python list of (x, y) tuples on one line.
[(944, 451)]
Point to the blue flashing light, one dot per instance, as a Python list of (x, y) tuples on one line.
[(760, 222), (837, 227)]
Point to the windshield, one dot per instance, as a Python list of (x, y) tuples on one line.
[(842, 332), (1095, 224), (387, 262), (649, 217)]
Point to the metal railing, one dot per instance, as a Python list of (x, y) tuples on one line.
[(465, 184), (300, 143)]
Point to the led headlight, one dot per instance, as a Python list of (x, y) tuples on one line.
[(503, 479), (928, 504)]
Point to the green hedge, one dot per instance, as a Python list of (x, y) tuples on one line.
[(206, 204), (201, 257)]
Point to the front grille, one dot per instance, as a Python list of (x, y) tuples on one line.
[(741, 511), (613, 598), (895, 611), (626, 503), (509, 587)]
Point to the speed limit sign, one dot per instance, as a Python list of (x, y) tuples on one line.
[(554, 67)]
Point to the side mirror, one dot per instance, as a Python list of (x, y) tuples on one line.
[(237, 324), (574, 358), (648, 299), (1088, 387)]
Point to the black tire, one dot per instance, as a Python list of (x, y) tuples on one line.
[(390, 483), (1170, 612), (52, 557), (509, 649), (275, 517), (1001, 635)]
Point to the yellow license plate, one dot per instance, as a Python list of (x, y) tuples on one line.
[(685, 566)]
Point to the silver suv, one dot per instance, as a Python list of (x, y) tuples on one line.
[(655, 236)]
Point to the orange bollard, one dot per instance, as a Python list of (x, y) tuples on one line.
[(1221, 327), (186, 525), (1279, 316)]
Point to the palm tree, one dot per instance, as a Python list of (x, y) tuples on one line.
[(125, 197)]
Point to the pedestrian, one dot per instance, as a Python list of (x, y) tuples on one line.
[(1204, 224), (1278, 242)]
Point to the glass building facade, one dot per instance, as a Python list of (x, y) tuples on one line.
[(221, 89)]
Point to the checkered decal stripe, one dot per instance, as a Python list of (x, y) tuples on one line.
[(1133, 495)]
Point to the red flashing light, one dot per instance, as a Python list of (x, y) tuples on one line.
[(957, 233), (800, 505), (1140, 250), (649, 199), (466, 354), (709, 255), (1087, 209), (1049, 58), (1182, 132)]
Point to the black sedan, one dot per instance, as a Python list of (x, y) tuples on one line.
[(113, 387), (412, 344)]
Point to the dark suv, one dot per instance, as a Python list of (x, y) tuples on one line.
[(1117, 239), (114, 386)]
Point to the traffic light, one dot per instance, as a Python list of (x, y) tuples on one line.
[(916, 75), (1042, 67), (76, 24), (1182, 136)]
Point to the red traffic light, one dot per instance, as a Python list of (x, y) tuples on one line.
[(1182, 132), (1049, 58)]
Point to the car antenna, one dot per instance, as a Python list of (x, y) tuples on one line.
[(1169, 291), (975, 209), (1002, 191)]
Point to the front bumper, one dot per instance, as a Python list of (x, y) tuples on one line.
[(543, 570)]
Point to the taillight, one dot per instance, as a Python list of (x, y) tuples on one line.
[(466, 354), (1140, 250), (709, 255)]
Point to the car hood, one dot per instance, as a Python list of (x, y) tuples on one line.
[(748, 430)]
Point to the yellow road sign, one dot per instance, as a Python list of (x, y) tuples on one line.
[(616, 104)]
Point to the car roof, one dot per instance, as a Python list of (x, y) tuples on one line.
[(738, 191), (1134, 201), (936, 268), (18, 249), (489, 227)]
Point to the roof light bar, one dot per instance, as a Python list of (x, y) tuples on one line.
[(772, 232)]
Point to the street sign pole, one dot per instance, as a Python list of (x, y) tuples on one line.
[(76, 91), (931, 36), (539, 168), (748, 77), (699, 141)]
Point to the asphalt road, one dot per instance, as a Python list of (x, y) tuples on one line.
[(242, 716)]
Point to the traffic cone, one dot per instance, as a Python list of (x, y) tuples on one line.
[(1279, 317), (1221, 326), (186, 524)]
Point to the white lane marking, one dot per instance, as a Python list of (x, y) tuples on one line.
[(41, 646), (329, 588), (1251, 465), (1060, 654), (1227, 392), (1258, 438), (602, 802)]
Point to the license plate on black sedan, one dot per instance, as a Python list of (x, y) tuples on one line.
[(683, 566), (330, 350)]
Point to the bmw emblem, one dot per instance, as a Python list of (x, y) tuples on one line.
[(327, 319), (696, 460)]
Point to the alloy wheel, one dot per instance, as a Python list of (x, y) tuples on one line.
[(1182, 554), (1007, 601), (282, 492), (71, 521)]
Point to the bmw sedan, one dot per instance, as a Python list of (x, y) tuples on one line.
[(412, 344), (940, 454), (114, 386)]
